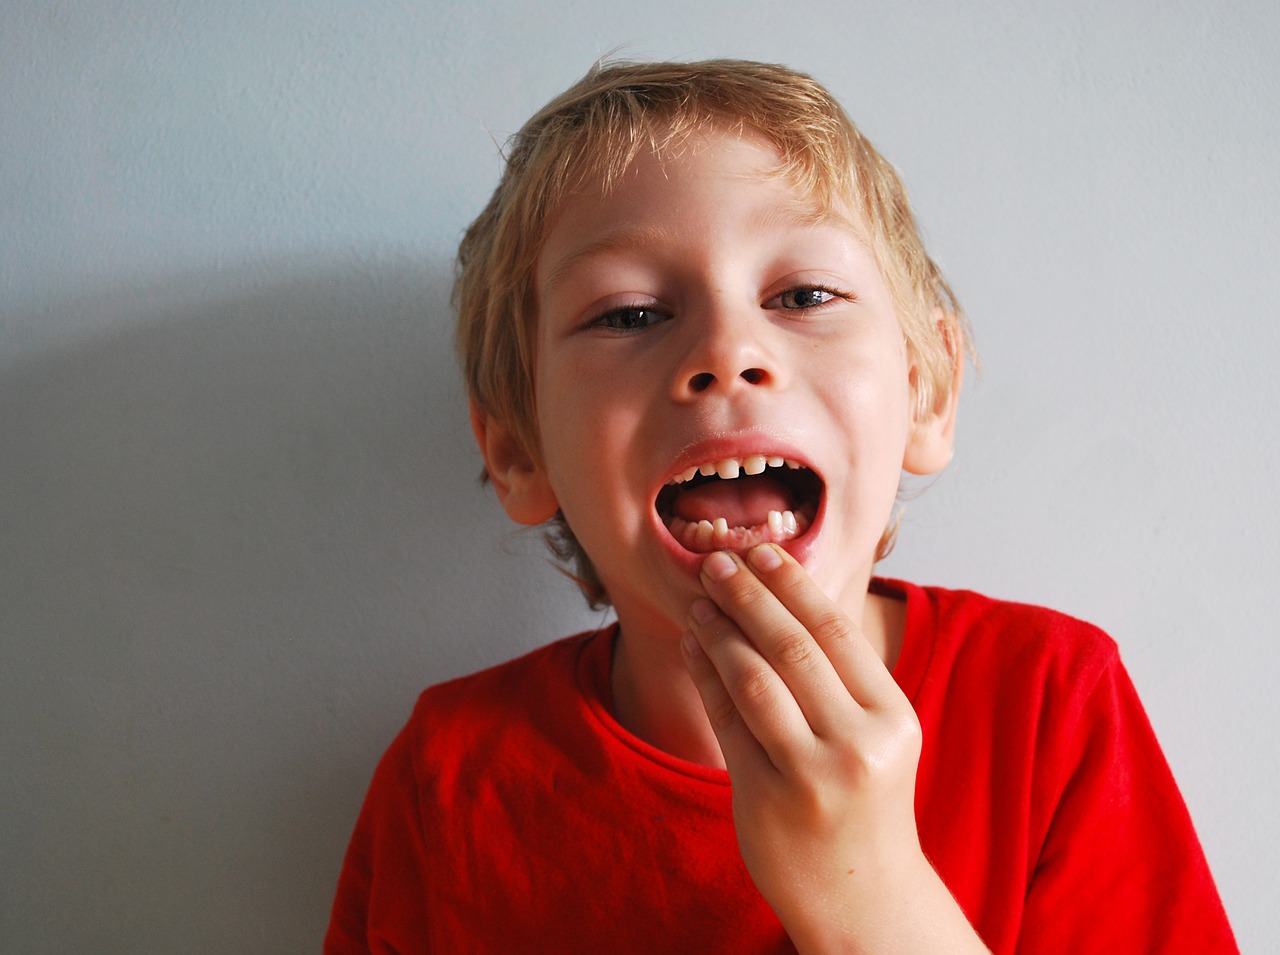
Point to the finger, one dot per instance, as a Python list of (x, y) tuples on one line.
[(855, 660), (762, 700), (737, 743), (775, 670)]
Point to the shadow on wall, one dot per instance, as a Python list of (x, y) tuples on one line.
[(236, 540)]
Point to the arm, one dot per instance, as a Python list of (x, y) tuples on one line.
[(822, 749), (1120, 853), (378, 904)]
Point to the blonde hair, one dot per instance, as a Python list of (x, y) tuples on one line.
[(593, 132)]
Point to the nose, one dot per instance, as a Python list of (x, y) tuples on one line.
[(702, 380), (723, 354)]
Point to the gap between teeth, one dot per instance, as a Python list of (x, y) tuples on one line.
[(729, 468), (781, 525)]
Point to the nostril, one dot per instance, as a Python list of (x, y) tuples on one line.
[(701, 381), (752, 376)]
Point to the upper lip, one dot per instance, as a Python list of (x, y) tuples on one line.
[(737, 448)]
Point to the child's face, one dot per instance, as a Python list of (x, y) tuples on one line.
[(704, 314)]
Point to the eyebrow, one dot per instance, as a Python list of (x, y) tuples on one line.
[(808, 217), (629, 237), (615, 241)]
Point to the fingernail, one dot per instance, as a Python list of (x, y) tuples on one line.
[(703, 610), (765, 557), (719, 566)]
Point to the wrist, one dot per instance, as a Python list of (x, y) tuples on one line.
[(893, 903)]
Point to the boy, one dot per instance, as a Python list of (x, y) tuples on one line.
[(702, 339)]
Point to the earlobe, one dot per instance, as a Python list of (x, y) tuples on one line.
[(518, 478), (932, 441)]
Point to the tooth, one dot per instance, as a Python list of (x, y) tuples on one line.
[(727, 469), (775, 461), (689, 474), (703, 537), (775, 522), (789, 522), (707, 470), (794, 465), (754, 464), (720, 527), (690, 535)]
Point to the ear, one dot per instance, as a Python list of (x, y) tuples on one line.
[(519, 480), (933, 431)]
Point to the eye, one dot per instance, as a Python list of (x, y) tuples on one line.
[(632, 318), (805, 297)]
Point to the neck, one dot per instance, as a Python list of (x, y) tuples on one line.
[(655, 699)]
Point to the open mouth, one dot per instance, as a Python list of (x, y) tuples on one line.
[(736, 503)]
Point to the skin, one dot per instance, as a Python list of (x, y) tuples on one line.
[(707, 308)]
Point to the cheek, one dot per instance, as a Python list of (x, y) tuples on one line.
[(585, 433), (875, 397)]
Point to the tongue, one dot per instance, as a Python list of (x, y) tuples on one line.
[(742, 502)]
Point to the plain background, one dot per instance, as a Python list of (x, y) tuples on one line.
[(240, 526)]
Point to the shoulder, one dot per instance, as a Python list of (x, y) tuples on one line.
[(462, 728), (957, 638), (535, 703), (1038, 760), (550, 662), (955, 620), (965, 614), (497, 692)]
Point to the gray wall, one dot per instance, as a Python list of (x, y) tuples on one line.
[(239, 523)]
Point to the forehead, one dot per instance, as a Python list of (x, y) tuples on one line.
[(702, 184)]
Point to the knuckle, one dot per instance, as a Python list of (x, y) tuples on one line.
[(894, 743), (900, 722), (905, 731), (719, 631), (748, 593), (755, 686), (831, 626), (795, 650), (815, 798), (864, 764), (722, 714)]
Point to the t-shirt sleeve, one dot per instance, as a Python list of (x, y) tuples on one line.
[(378, 906), (1120, 869)]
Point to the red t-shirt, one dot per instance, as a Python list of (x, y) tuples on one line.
[(514, 814)]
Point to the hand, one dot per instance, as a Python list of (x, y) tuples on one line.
[(822, 749)]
